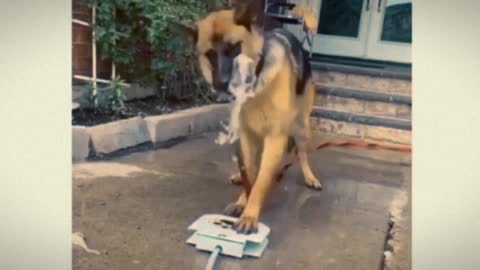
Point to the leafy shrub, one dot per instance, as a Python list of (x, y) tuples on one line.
[(137, 35), (107, 100)]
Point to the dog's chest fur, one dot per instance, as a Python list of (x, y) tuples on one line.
[(282, 73)]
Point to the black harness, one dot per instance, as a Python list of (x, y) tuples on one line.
[(296, 51)]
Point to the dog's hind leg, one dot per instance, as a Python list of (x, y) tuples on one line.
[(310, 180), (235, 177), (303, 135)]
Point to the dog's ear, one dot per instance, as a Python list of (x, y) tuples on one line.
[(189, 31), (246, 12)]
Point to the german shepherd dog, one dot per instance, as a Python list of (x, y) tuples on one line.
[(279, 112)]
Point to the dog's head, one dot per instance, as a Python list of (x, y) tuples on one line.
[(221, 36)]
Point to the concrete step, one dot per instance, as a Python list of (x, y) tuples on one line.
[(364, 102), (367, 79), (361, 126), (363, 67)]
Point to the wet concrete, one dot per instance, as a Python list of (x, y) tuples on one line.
[(137, 215)]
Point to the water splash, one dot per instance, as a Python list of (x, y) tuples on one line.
[(242, 88)]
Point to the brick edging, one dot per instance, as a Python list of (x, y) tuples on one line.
[(115, 136)]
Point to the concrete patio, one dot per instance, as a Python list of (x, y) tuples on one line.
[(135, 210)]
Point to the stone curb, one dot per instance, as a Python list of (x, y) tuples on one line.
[(186, 123), (111, 137), (80, 143)]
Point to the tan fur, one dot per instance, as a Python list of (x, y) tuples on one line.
[(221, 24), (309, 17), (267, 120)]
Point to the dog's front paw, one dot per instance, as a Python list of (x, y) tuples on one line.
[(234, 209), (247, 225), (236, 179), (313, 183)]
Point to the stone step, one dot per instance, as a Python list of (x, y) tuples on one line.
[(367, 79), (363, 67), (364, 102), (361, 126)]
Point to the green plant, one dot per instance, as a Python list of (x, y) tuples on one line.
[(116, 97), (88, 98), (137, 35), (107, 100)]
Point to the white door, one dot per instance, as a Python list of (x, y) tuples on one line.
[(343, 27), (390, 34), (369, 29)]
